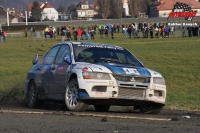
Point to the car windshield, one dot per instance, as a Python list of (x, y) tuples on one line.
[(97, 54)]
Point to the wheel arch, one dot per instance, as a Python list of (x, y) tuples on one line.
[(73, 75)]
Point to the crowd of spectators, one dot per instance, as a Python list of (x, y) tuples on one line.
[(132, 30)]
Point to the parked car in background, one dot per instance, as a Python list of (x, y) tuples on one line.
[(85, 73)]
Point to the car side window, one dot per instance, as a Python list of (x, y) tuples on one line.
[(49, 59), (65, 50)]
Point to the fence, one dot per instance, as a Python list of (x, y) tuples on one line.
[(15, 34), (37, 37)]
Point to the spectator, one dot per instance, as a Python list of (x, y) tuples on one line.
[(34, 31), (129, 31), (167, 30), (75, 34), (54, 32), (51, 32), (46, 33), (58, 31), (151, 31), (3, 34), (106, 33), (68, 34), (124, 31), (79, 34), (92, 32), (25, 32), (118, 28), (112, 32), (156, 32), (31, 31), (172, 31), (63, 35)]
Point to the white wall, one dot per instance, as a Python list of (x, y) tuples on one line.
[(50, 13)]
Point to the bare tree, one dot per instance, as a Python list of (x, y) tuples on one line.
[(133, 7), (118, 8), (104, 8), (137, 6)]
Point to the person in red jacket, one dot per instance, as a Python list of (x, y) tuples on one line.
[(79, 34)]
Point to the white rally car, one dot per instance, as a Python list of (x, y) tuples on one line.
[(85, 73)]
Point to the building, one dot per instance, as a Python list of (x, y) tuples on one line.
[(84, 10), (48, 11), (162, 8), (12, 17), (126, 7)]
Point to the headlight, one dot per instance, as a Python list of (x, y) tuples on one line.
[(159, 80), (96, 75)]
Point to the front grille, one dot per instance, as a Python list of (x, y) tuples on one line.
[(132, 79), (131, 92)]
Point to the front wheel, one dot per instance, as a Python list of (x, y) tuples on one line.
[(72, 100), (151, 109), (102, 108), (32, 97)]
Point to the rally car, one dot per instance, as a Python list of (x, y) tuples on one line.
[(85, 73)]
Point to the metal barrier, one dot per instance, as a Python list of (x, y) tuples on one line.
[(15, 34), (37, 37)]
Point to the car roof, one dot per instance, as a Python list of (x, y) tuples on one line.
[(92, 44)]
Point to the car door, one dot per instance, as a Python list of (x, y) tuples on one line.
[(59, 68), (45, 67)]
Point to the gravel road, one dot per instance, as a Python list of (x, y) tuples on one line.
[(52, 118)]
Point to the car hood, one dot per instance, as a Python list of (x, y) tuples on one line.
[(118, 69), (124, 69)]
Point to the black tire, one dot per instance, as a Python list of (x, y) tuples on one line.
[(72, 101), (102, 108), (32, 97), (151, 109)]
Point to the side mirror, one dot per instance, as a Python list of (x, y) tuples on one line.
[(68, 59), (35, 59)]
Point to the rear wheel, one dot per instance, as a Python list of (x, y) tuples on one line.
[(102, 108), (32, 97), (72, 100), (151, 109)]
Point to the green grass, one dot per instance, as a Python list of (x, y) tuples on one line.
[(177, 59)]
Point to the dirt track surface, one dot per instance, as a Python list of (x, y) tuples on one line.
[(52, 118)]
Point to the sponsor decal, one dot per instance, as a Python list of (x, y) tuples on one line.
[(182, 10), (61, 69), (131, 71), (84, 69), (98, 93)]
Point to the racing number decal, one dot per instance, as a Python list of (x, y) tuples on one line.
[(131, 71)]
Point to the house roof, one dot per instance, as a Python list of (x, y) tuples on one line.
[(46, 5), (94, 4), (78, 7), (169, 4)]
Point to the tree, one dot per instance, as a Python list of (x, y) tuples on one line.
[(137, 6), (133, 8), (70, 8), (104, 8), (112, 14), (61, 9), (118, 8), (36, 12)]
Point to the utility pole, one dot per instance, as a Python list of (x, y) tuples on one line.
[(8, 17)]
